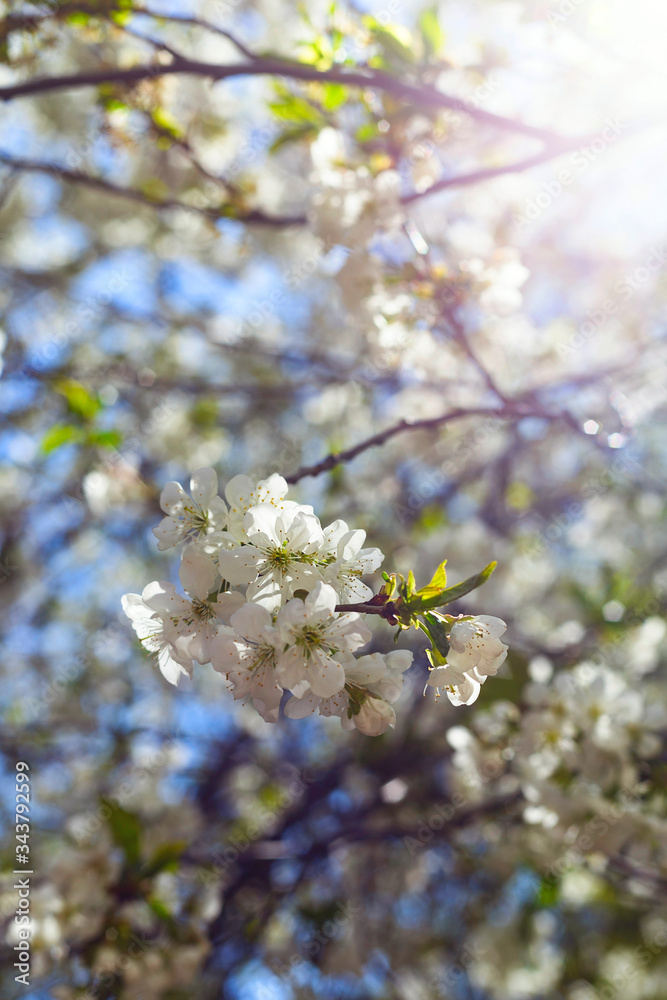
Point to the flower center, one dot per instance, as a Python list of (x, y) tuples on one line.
[(200, 612), (196, 519), (280, 558), (263, 655), (311, 637)]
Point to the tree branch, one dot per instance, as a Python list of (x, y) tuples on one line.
[(197, 22), (17, 22), (422, 96), (254, 216), (431, 423), (550, 152), (386, 610)]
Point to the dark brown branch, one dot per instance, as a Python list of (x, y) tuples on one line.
[(550, 152), (385, 610), (253, 216), (429, 424), (553, 147), (421, 96), (197, 22), (17, 22), (131, 194), (461, 338)]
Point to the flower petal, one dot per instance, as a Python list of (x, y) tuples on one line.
[(399, 659), (227, 604), (374, 717), (204, 486), (170, 668), (197, 573), (299, 708), (494, 626), (367, 669), (169, 532), (227, 653), (255, 624), (325, 675), (173, 498), (464, 693), (237, 493), (321, 602), (241, 565), (291, 668)]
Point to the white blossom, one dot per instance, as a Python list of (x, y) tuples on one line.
[(156, 632), (242, 493), (373, 718), (178, 628), (316, 639), (360, 704), (248, 656), (475, 653), (350, 562), (389, 686), (280, 556), (195, 517), (460, 688), (475, 647)]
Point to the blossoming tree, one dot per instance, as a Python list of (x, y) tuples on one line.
[(382, 285)]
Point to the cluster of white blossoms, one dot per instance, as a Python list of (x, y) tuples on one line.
[(272, 600), (262, 581), (475, 653)]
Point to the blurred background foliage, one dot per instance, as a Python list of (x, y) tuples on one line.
[(253, 273)]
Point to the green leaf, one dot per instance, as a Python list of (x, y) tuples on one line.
[(367, 132), (79, 400), (293, 135), (435, 658), (104, 439), (126, 832), (406, 588), (438, 582), (155, 189), (292, 108), (59, 435), (78, 18), (335, 95), (419, 603), (356, 698), (165, 857), (431, 32), (167, 123), (160, 910), (438, 633), (115, 104), (547, 893), (394, 40)]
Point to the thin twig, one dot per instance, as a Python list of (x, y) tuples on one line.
[(550, 152), (132, 194), (431, 423)]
